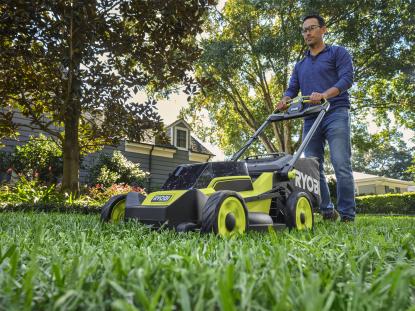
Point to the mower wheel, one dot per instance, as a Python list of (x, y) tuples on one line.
[(299, 211), (114, 209), (225, 213)]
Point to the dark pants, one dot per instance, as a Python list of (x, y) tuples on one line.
[(334, 129)]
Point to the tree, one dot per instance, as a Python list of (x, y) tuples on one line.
[(75, 65), (252, 46), (383, 153)]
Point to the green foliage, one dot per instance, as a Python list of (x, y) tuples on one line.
[(29, 195), (115, 168), (72, 262), (40, 157), (391, 203), (411, 169), (243, 71), (384, 153), (28, 191)]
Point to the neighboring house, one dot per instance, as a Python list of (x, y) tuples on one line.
[(158, 160), (373, 184)]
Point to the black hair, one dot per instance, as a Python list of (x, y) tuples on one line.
[(321, 21)]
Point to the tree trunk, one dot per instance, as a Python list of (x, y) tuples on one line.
[(287, 138), (72, 106), (70, 180)]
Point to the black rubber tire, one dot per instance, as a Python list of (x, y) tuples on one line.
[(211, 209), (290, 209), (107, 208)]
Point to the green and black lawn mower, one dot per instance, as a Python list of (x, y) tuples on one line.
[(230, 197)]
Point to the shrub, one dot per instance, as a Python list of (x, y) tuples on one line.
[(39, 158), (391, 203), (29, 191), (59, 207), (115, 168), (100, 194)]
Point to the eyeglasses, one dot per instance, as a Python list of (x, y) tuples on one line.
[(309, 28)]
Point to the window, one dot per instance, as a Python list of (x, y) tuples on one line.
[(398, 190), (387, 189), (181, 138)]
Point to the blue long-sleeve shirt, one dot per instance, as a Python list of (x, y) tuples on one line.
[(331, 67)]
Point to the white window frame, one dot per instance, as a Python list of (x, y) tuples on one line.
[(187, 137)]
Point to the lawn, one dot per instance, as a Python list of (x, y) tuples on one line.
[(71, 261)]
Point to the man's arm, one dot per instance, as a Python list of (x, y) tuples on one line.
[(344, 69)]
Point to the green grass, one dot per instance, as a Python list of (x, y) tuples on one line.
[(55, 261)]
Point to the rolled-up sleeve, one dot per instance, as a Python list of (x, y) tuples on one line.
[(294, 85), (344, 68)]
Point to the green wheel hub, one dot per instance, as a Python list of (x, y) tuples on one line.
[(231, 217), (303, 214), (118, 212)]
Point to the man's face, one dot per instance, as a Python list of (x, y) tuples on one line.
[(312, 32)]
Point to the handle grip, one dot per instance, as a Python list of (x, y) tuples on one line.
[(303, 99)]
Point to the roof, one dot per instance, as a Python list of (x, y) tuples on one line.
[(363, 177), (196, 146), (179, 121)]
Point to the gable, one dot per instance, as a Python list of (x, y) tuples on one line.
[(179, 123)]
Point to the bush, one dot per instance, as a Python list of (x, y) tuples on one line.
[(116, 169), (29, 191), (391, 203), (59, 207), (39, 158), (100, 194)]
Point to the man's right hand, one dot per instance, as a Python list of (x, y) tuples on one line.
[(282, 104)]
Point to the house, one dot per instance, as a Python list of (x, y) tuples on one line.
[(159, 160), (372, 184)]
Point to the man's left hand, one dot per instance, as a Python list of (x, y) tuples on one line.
[(316, 98)]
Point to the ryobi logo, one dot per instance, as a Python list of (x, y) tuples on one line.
[(161, 198), (307, 182)]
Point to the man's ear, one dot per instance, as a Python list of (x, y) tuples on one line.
[(324, 29)]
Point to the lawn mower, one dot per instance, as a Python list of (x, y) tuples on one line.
[(275, 190)]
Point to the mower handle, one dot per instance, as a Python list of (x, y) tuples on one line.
[(286, 116), (301, 99)]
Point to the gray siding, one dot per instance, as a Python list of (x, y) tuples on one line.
[(24, 133)]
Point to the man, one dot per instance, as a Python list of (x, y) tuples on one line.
[(326, 72)]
